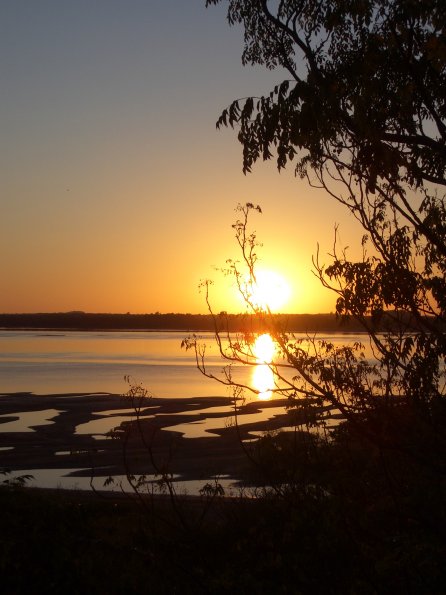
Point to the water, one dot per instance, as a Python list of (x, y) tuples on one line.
[(61, 362), (46, 363)]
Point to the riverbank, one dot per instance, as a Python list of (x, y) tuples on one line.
[(335, 516), (193, 439), (306, 541)]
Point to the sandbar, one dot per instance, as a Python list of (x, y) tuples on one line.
[(148, 447)]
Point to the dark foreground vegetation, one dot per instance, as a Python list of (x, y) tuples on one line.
[(340, 516)]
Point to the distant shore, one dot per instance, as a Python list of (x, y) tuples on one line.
[(80, 321)]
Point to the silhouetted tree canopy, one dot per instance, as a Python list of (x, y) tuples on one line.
[(366, 87), (360, 109)]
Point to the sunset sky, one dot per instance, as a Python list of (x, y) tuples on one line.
[(118, 193)]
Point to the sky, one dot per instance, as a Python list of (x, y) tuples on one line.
[(117, 191)]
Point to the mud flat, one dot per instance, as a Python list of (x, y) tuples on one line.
[(162, 437)]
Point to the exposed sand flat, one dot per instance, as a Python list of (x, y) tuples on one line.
[(147, 445)]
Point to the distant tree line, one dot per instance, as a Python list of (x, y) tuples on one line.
[(189, 322)]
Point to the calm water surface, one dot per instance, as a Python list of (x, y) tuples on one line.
[(92, 362), (60, 362)]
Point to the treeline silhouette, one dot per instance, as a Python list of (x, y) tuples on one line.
[(169, 321), (186, 322)]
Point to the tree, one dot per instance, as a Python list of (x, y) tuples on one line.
[(363, 111)]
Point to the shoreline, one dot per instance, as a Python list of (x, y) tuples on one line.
[(191, 459), (243, 322)]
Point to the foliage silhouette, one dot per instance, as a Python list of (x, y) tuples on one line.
[(364, 113)]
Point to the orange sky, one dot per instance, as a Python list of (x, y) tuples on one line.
[(118, 193)]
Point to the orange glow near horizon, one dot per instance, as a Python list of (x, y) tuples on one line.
[(107, 218)]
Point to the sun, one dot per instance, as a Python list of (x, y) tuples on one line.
[(269, 290)]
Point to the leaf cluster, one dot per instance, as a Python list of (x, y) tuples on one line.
[(366, 87)]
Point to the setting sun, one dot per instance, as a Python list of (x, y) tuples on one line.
[(269, 290)]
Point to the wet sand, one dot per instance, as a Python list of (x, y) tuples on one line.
[(147, 447)]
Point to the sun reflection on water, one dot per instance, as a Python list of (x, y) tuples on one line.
[(264, 350), (263, 381)]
